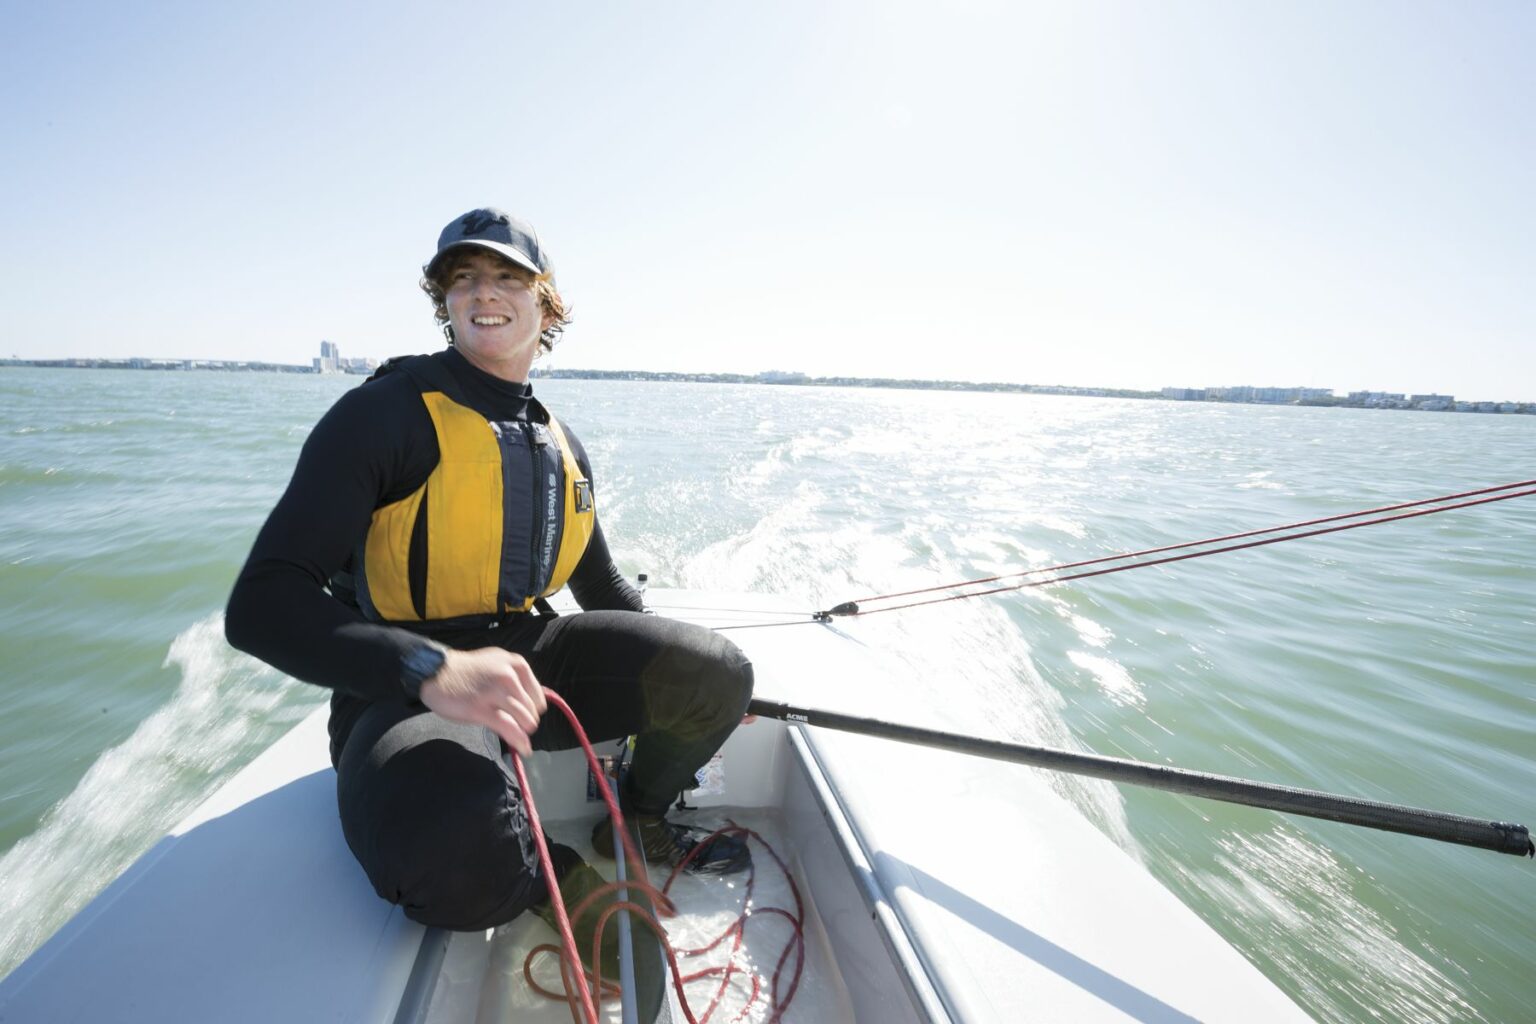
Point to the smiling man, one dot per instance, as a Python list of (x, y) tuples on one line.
[(405, 568)]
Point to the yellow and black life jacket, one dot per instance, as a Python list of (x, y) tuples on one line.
[(506, 515)]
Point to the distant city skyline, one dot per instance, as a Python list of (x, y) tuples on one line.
[(1095, 193), (358, 363), (332, 362)]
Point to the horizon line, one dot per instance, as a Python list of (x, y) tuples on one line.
[(1325, 397)]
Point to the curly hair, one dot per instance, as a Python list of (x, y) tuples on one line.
[(544, 286)]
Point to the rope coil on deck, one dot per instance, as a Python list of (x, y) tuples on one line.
[(585, 998)]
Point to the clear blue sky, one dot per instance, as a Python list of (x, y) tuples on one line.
[(1131, 194)]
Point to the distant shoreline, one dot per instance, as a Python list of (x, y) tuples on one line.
[(1318, 398)]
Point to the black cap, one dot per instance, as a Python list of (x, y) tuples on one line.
[(497, 231)]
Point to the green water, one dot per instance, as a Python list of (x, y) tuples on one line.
[(1392, 663)]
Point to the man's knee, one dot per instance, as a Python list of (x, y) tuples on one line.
[(734, 680), (457, 864), (432, 816), (723, 677)]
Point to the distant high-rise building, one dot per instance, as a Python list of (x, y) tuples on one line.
[(330, 358)]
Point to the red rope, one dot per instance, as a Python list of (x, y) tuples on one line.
[(585, 1003), (579, 996), (567, 938), (1193, 543), (738, 927)]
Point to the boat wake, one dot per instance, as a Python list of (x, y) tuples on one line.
[(1353, 964), (967, 667), (226, 709)]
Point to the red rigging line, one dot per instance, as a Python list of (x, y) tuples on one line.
[(850, 608), (584, 994)]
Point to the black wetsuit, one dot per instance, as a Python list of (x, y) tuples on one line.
[(439, 827)]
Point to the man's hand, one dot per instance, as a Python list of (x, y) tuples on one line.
[(490, 687)]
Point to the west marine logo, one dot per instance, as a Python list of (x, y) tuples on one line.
[(551, 522), (480, 221)]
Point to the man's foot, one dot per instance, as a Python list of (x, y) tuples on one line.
[(650, 972), (663, 842)]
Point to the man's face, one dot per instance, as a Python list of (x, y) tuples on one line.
[(495, 314)]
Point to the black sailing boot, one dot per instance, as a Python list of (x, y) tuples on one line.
[(662, 842)]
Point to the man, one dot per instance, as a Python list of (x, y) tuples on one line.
[(431, 511)]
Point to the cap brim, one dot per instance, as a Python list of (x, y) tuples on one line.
[(499, 248)]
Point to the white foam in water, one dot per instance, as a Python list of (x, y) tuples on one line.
[(226, 709), (968, 647), (764, 557), (804, 546), (1279, 884), (1260, 481)]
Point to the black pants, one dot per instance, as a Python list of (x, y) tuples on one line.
[(436, 818)]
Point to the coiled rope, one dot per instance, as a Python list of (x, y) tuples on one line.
[(584, 998)]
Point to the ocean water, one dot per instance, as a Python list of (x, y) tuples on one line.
[(1393, 662)]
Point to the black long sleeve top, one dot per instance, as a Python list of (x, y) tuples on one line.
[(375, 446)]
